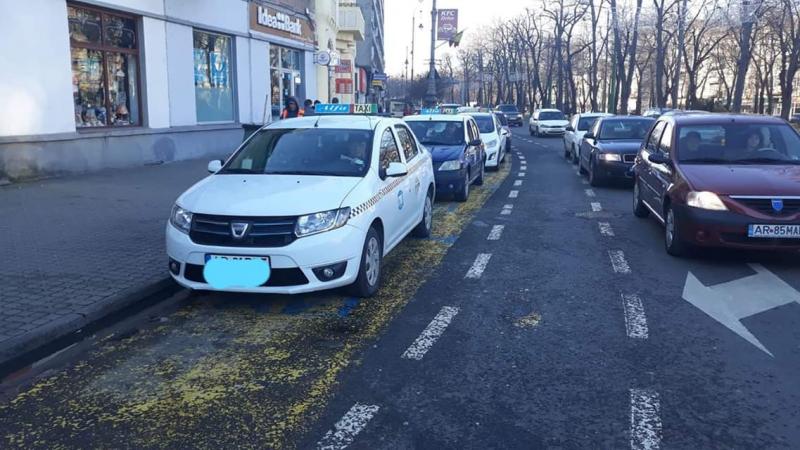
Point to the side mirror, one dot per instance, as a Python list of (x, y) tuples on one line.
[(588, 135), (659, 158), (475, 143), (396, 169), (215, 165), (569, 128)]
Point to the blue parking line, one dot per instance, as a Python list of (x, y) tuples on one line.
[(452, 207), (295, 306), (349, 305)]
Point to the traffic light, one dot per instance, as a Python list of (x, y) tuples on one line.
[(456, 40)]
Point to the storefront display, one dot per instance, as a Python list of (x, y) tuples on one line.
[(105, 69), (212, 77)]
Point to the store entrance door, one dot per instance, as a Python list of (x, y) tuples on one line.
[(283, 86)]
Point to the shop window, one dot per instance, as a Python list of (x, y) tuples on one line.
[(105, 67), (213, 80)]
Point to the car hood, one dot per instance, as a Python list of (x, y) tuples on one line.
[(441, 153), (266, 195), (512, 114), (621, 146), (743, 180), (554, 123)]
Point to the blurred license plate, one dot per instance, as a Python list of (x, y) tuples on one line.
[(236, 257), (773, 231)]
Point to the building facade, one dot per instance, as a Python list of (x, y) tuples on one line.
[(370, 60), (351, 32), (119, 83)]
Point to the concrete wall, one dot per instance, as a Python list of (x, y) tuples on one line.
[(156, 76), (35, 73)]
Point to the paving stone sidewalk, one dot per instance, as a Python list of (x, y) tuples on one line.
[(73, 249)]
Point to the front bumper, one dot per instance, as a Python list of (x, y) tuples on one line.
[(517, 121), (727, 229), (552, 131), (614, 170), (291, 266), (449, 181)]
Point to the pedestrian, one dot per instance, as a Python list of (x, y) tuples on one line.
[(308, 107), (335, 100), (292, 109), (316, 102)]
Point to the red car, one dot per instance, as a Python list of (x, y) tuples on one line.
[(721, 180)]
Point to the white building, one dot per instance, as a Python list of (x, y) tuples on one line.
[(119, 83)]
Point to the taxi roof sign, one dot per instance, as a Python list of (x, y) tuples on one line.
[(344, 108), (439, 110)]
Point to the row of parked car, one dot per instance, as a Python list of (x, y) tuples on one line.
[(712, 180)]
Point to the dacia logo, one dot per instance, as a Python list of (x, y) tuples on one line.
[(777, 205), (239, 229)]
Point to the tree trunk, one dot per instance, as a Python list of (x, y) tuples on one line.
[(742, 65)]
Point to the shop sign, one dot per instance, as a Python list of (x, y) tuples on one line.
[(345, 66), (279, 21)]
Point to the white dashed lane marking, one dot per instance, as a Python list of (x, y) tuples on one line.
[(584, 182), (596, 207), (431, 333), (605, 229), (635, 320), (506, 210), (347, 428), (513, 194), (496, 232), (478, 266), (517, 182), (523, 168), (645, 420), (589, 192), (521, 174), (618, 262)]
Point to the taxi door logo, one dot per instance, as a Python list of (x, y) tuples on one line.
[(777, 205), (239, 229), (400, 200)]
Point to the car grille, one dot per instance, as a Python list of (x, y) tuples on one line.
[(629, 158), (764, 205), (264, 231), (277, 277)]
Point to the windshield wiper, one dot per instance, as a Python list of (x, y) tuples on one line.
[(764, 161), (707, 161)]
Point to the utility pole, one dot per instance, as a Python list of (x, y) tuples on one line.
[(430, 95), (413, 35)]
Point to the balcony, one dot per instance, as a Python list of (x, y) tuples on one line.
[(351, 20)]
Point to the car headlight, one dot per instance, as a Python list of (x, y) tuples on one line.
[(705, 200), (180, 219), (451, 165), (491, 143), (609, 157), (321, 221)]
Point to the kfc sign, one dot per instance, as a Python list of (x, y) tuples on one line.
[(447, 24)]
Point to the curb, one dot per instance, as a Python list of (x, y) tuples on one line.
[(27, 348)]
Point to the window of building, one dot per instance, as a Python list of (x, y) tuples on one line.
[(286, 76), (213, 80), (105, 67)]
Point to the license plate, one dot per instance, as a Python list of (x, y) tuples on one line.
[(225, 271), (773, 231)]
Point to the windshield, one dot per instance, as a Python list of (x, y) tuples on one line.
[(304, 151), (508, 108), (437, 132), (485, 124), (738, 144), (622, 129), (551, 115), (584, 123), (501, 118)]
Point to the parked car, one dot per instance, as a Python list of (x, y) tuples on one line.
[(655, 113), (578, 126), (456, 148), (512, 113), (718, 180), (493, 139), (547, 122), (609, 148), (303, 205), (506, 129)]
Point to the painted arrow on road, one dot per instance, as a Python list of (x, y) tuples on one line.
[(728, 303)]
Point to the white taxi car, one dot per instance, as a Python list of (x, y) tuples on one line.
[(493, 138), (304, 204)]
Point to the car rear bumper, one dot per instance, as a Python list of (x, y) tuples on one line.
[(728, 229)]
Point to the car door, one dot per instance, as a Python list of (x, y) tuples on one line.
[(586, 145), (480, 149), (535, 120), (501, 137), (391, 192), (472, 154), (663, 173), (415, 194), (571, 133), (648, 184)]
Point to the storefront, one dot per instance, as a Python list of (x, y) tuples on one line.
[(291, 45)]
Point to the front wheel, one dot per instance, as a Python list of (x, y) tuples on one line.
[(567, 154), (639, 208), (594, 178), (424, 227), (530, 130), (479, 180), (369, 272), (574, 155), (673, 242), (463, 194)]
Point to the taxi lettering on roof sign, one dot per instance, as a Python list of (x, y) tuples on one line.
[(304, 204)]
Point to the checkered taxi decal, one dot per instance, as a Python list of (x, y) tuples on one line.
[(384, 191)]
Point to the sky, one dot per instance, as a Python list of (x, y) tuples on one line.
[(472, 15)]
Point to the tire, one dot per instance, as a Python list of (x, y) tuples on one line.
[(368, 282), (463, 194), (639, 208), (594, 178), (574, 155), (479, 180), (673, 242), (581, 170), (567, 154), (530, 130), (424, 227)]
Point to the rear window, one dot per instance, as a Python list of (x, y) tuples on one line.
[(552, 115), (584, 123), (619, 129), (738, 143), (304, 151), (485, 123), (508, 108)]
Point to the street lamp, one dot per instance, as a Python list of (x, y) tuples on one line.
[(430, 95)]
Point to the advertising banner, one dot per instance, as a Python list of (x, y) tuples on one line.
[(446, 24)]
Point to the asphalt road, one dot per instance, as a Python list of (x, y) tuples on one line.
[(542, 314)]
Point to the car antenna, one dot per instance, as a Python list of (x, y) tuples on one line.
[(316, 123)]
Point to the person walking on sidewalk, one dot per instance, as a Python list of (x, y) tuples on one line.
[(308, 107), (292, 109)]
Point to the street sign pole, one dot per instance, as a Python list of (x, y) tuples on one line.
[(430, 95)]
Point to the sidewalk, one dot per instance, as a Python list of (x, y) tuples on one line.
[(75, 249)]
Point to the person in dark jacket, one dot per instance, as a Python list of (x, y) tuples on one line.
[(308, 107), (292, 109)]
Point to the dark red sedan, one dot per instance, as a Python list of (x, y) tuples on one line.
[(721, 180)]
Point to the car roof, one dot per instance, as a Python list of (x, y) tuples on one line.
[(595, 114), (435, 117), (719, 119), (615, 117), (479, 114), (352, 122), (549, 110)]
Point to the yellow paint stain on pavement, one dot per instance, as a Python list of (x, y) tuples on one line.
[(226, 371)]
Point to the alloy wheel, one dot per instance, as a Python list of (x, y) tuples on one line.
[(373, 261)]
